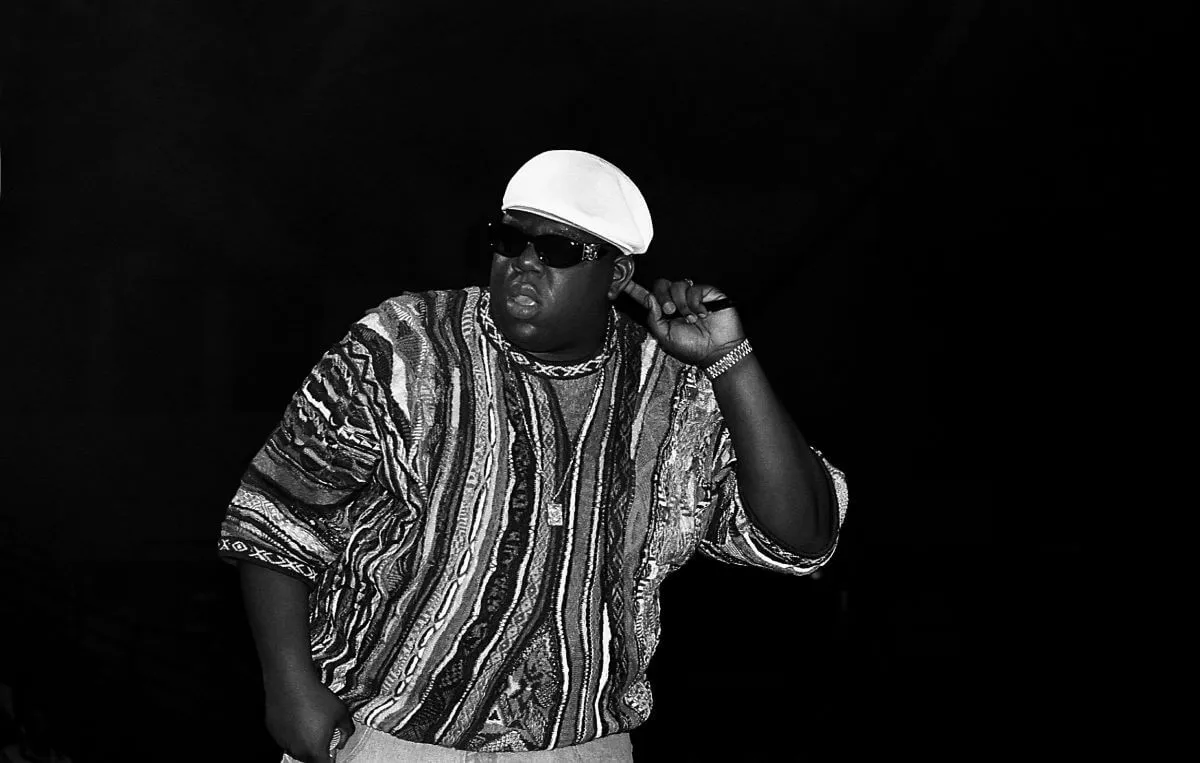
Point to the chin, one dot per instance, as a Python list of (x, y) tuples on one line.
[(526, 335), (522, 331)]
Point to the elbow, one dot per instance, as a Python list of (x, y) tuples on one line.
[(803, 527), (818, 545)]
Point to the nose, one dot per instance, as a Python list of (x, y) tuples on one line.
[(528, 259)]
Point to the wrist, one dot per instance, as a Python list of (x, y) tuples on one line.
[(290, 677), (727, 359)]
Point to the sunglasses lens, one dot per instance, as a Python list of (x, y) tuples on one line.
[(555, 251), (506, 240), (559, 252)]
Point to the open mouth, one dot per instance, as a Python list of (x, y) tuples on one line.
[(522, 301), (522, 306)]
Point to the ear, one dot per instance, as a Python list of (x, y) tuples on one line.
[(622, 272)]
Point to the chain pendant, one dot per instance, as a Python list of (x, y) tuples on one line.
[(555, 513)]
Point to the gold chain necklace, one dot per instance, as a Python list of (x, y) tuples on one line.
[(532, 364)]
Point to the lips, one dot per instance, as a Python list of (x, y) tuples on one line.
[(523, 301), (519, 290)]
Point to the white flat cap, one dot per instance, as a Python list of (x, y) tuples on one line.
[(583, 190)]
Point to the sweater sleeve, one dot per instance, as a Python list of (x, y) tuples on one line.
[(290, 511), (732, 535)]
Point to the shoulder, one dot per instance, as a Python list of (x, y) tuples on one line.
[(418, 314), (421, 331)]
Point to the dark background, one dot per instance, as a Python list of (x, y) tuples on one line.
[(200, 197)]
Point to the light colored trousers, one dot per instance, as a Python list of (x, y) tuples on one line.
[(370, 746)]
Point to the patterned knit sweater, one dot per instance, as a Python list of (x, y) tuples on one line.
[(485, 541)]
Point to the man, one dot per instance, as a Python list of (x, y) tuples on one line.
[(452, 545)]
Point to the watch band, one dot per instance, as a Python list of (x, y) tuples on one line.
[(728, 360)]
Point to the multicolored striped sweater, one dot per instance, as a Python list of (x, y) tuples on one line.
[(485, 541)]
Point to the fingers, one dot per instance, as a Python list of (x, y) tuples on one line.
[(662, 293), (679, 290), (695, 303), (340, 737), (683, 298), (654, 304), (686, 296), (637, 292), (649, 301), (347, 729), (313, 751), (677, 299)]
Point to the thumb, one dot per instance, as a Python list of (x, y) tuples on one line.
[(636, 291), (346, 725), (338, 737)]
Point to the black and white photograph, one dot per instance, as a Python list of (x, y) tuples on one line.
[(584, 381)]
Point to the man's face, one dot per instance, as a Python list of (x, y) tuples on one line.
[(556, 313)]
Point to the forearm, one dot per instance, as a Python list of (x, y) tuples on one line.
[(277, 608), (781, 481)]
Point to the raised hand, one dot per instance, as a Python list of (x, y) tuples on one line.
[(684, 328)]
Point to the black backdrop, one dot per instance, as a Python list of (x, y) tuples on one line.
[(199, 198)]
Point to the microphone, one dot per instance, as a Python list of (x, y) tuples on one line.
[(717, 304), (639, 294)]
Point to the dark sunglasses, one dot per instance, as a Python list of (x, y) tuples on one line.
[(555, 251)]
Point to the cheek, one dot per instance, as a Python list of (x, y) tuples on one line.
[(580, 296), (499, 269)]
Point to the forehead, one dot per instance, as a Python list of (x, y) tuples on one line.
[(536, 225)]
